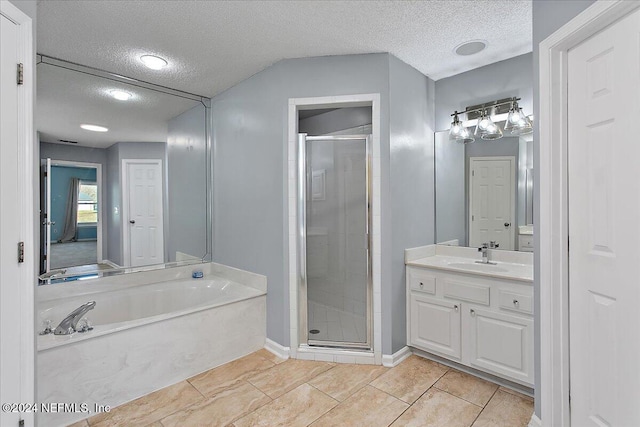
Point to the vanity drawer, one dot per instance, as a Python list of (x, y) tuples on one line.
[(458, 290), (515, 302), (421, 280)]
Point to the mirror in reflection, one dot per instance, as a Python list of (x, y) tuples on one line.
[(124, 168), (484, 192)]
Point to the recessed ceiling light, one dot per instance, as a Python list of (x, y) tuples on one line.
[(470, 48), (120, 95), (94, 128), (153, 62)]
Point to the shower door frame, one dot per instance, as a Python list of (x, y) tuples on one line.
[(304, 340)]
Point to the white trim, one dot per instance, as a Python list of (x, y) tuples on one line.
[(101, 197), (111, 263), (26, 160), (279, 350), (358, 100), (535, 421), (553, 222), (391, 360), (126, 244)]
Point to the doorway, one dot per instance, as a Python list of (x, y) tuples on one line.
[(334, 224), (71, 215), (588, 223)]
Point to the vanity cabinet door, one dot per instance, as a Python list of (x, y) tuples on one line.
[(499, 343), (435, 326)]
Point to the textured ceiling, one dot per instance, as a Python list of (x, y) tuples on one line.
[(212, 45), (66, 99)]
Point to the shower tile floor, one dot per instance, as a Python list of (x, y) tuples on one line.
[(263, 390), (335, 325)]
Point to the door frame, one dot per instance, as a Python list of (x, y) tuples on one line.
[(126, 243), (101, 204), (553, 227), (290, 223), (514, 186), (25, 284)]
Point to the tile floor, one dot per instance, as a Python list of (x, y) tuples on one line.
[(335, 325), (263, 390)]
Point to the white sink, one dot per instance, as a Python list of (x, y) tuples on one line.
[(474, 266)]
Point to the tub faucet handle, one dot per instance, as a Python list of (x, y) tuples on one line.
[(46, 327), (84, 325)]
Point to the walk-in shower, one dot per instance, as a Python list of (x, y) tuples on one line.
[(334, 223)]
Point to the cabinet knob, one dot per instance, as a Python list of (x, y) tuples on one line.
[(516, 303), (472, 311), (421, 284), (455, 307)]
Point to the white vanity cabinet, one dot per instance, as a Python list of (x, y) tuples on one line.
[(482, 322)]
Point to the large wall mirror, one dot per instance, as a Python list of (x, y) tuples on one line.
[(484, 192), (125, 167)]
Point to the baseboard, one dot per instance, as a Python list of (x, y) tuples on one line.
[(391, 360), (535, 421), (277, 349)]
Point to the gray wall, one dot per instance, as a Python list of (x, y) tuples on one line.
[(186, 204), (250, 164), (412, 219), (88, 155), (548, 16), (511, 77), (336, 120), (450, 190), (114, 194)]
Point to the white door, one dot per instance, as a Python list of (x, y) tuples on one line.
[(10, 314), (604, 226), (143, 223), (492, 201)]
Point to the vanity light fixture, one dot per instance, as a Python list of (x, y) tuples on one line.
[(154, 62), (94, 128), (458, 132), (517, 122), (120, 95), (483, 116)]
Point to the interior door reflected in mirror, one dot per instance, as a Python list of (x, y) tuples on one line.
[(484, 192), (124, 167)]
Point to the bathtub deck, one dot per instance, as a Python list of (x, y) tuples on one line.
[(260, 389)]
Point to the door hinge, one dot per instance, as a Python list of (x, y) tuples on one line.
[(20, 76), (473, 173), (20, 252), (473, 217)]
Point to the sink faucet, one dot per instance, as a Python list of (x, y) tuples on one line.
[(69, 323), (484, 248)]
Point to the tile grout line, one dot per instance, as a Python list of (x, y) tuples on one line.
[(411, 404), (462, 398), (485, 407)]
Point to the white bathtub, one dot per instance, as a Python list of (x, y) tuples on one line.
[(145, 337)]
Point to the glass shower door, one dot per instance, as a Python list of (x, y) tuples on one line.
[(335, 234)]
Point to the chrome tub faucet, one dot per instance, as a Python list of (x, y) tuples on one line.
[(69, 323)]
